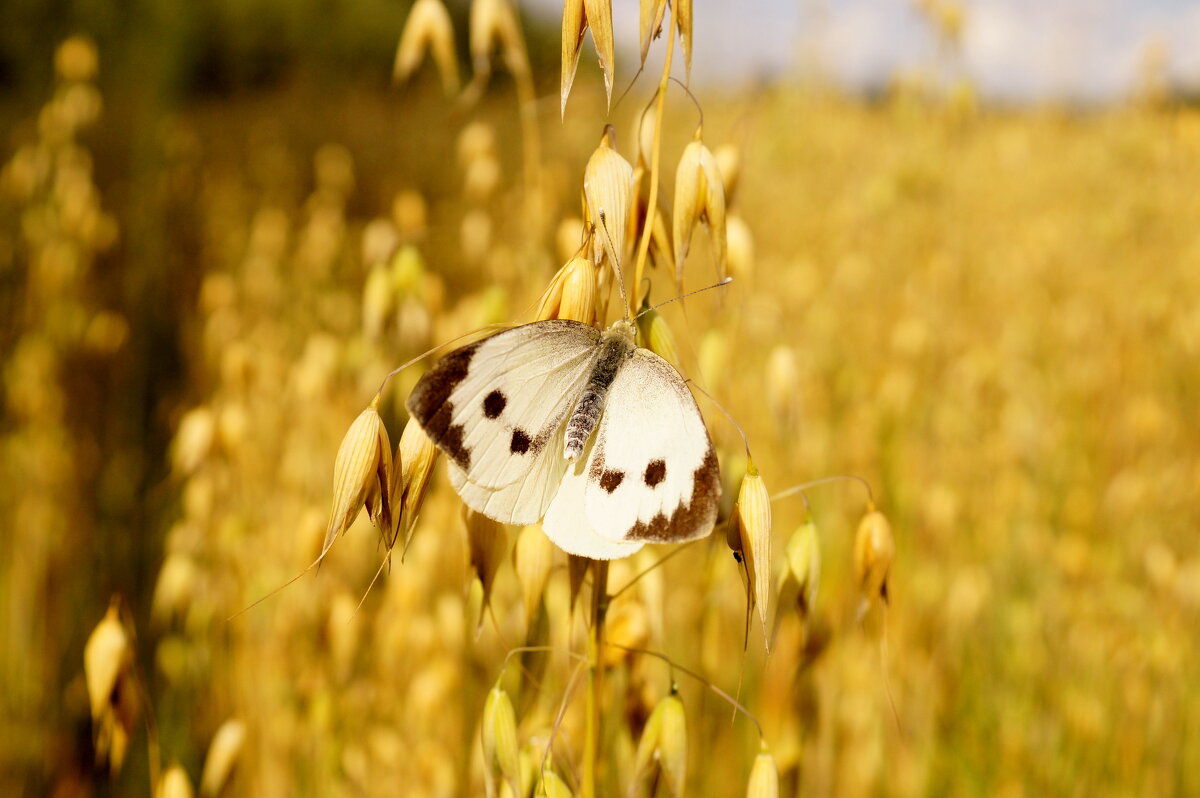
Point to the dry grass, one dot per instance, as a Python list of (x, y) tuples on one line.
[(992, 317)]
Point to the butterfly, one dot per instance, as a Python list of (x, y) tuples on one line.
[(598, 438)]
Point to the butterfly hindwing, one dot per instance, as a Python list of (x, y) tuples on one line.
[(495, 406), (650, 474)]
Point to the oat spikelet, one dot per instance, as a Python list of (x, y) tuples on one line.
[(802, 567), (577, 17), (412, 467), (682, 9), (108, 673), (650, 20), (174, 784), (699, 196), (362, 476), (551, 785), (223, 754), (655, 334), (874, 550), (580, 289), (493, 23), (764, 776), (607, 186), (428, 27), (499, 728), (664, 741), (752, 515), (487, 542)]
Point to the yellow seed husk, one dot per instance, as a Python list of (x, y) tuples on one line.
[(802, 565), (487, 542), (550, 785), (481, 179), (764, 777), (753, 517), (222, 757), (607, 187), (533, 556), (365, 455), (655, 334), (412, 466), (194, 440), (494, 23), (574, 23), (577, 17), (428, 25), (650, 19), (106, 657), (714, 358), (664, 740), (739, 248), (500, 749), (174, 589), (874, 550), (579, 291), (682, 9), (699, 192), (174, 784), (729, 161)]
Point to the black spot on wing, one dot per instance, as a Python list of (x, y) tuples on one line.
[(493, 404), (691, 519), (520, 442), (429, 404), (656, 472), (611, 480)]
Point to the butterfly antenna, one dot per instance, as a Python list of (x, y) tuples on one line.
[(728, 415), (721, 284)]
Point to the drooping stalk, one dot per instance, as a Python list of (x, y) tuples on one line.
[(595, 693)]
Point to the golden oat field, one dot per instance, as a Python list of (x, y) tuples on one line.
[(991, 315)]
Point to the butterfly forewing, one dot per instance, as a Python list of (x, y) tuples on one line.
[(496, 406)]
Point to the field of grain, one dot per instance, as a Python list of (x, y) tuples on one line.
[(992, 316)]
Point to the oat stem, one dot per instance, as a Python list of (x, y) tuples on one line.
[(532, 146), (655, 164), (595, 691)]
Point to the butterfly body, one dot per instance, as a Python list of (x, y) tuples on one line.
[(595, 436)]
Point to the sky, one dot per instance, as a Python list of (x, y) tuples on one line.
[(1017, 50)]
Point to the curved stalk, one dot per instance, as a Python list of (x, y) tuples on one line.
[(595, 693)]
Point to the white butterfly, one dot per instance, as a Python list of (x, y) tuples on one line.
[(515, 414)]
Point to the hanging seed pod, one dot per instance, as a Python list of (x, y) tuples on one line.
[(729, 162), (664, 742), (428, 27), (752, 514), (493, 23), (764, 777), (580, 289), (874, 550), (783, 384), (533, 556), (802, 567), (500, 749), (739, 243), (222, 757), (682, 9), (487, 542), (108, 672), (655, 334), (650, 20), (699, 196), (412, 466), (607, 188), (577, 17), (550, 785), (362, 476), (174, 784), (577, 568)]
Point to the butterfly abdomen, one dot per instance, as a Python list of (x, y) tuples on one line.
[(585, 416)]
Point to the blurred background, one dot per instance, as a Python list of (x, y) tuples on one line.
[(968, 269)]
